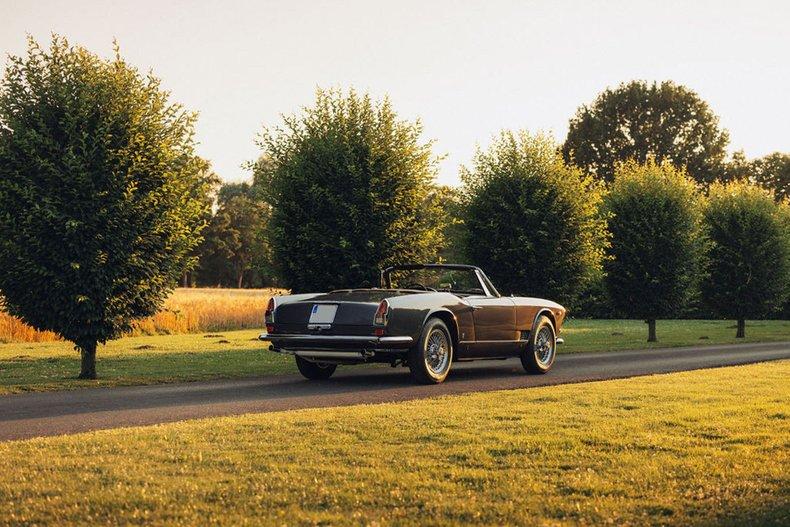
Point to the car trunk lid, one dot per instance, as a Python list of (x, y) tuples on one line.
[(356, 309)]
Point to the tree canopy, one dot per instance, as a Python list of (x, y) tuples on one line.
[(748, 260), (101, 194), (666, 122), (349, 185), (234, 252), (655, 222), (533, 222), (772, 172)]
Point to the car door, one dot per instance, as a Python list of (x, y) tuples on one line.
[(495, 326)]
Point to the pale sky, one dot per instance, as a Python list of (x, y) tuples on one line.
[(466, 69)]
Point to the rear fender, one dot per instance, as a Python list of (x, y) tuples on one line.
[(448, 317)]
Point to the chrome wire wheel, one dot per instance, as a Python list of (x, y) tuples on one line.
[(437, 352), (545, 346)]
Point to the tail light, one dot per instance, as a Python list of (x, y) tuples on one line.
[(381, 314), (269, 316)]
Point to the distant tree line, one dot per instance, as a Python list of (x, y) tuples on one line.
[(105, 207)]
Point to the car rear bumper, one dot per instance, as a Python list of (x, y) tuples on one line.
[(336, 346)]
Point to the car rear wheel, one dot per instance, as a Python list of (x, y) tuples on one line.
[(430, 360), (315, 370), (539, 354)]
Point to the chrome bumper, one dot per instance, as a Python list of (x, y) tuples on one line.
[(336, 342)]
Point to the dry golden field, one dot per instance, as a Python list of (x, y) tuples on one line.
[(186, 311)]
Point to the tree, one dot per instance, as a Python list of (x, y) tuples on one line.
[(748, 260), (232, 246), (209, 198), (101, 194), (637, 120), (448, 202), (349, 184), (533, 222), (655, 221), (772, 172), (738, 167)]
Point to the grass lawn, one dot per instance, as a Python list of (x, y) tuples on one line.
[(612, 335), (48, 366), (708, 447), (167, 358)]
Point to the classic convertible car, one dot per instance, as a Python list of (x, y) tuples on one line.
[(424, 316)]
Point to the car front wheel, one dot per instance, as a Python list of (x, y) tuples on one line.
[(538, 355), (315, 370), (430, 360)]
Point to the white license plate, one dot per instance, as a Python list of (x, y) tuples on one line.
[(323, 313)]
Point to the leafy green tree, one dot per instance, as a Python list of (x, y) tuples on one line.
[(748, 260), (101, 194), (655, 220), (533, 222), (349, 185), (773, 173), (738, 167), (230, 252), (209, 198), (637, 120), (449, 204)]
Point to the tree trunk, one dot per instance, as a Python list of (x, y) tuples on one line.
[(87, 360), (741, 329), (651, 330), (241, 279)]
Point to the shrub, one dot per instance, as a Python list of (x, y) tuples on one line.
[(101, 194), (349, 184), (748, 261), (655, 222), (533, 223)]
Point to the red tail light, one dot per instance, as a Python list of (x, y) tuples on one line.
[(381, 314), (269, 316)]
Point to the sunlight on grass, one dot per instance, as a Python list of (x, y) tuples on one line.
[(696, 448), (610, 335), (156, 359), (140, 360)]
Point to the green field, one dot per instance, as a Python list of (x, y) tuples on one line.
[(169, 358), (708, 447)]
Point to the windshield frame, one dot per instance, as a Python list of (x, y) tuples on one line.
[(485, 284)]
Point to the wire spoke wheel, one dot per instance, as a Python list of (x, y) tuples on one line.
[(544, 345), (541, 350), (431, 358), (437, 352)]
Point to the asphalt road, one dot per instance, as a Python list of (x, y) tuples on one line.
[(46, 414)]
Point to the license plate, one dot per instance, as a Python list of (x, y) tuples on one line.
[(323, 313)]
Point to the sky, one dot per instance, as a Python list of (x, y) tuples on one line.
[(465, 69)]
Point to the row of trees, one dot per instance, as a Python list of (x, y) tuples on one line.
[(351, 191), (104, 204)]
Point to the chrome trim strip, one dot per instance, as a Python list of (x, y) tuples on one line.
[(329, 354), (396, 340), (490, 341)]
